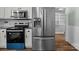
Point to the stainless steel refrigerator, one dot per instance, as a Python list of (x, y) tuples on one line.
[(43, 29)]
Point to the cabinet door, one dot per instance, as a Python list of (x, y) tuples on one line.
[(28, 38), (2, 38), (2, 12), (8, 11)]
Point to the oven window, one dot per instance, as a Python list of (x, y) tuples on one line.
[(17, 37)]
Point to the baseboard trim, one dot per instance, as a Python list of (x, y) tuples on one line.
[(72, 46), (72, 35)]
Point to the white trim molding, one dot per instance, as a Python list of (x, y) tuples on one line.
[(72, 36)]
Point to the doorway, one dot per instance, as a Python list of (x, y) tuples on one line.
[(60, 30)]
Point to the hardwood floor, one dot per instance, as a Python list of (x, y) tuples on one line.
[(61, 45)]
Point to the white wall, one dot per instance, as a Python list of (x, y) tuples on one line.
[(72, 26)]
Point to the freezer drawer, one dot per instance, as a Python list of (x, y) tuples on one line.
[(43, 44)]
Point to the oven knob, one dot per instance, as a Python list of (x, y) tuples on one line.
[(28, 31), (15, 23)]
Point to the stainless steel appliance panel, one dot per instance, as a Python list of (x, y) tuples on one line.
[(49, 21), (43, 44), (44, 34), (47, 27), (19, 14)]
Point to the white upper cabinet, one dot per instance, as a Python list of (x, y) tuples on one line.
[(6, 11), (29, 9), (2, 12)]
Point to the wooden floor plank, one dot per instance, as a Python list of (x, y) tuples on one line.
[(62, 45)]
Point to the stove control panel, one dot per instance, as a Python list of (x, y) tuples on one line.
[(23, 23)]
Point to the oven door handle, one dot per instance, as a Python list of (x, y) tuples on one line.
[(14, 30)]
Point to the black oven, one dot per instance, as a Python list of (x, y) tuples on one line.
[(15, 38)]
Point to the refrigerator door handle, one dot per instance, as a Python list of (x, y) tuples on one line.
[(45, 20)]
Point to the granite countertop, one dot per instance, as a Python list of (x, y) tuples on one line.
[(15, 18), (9, 22), (4, 27)]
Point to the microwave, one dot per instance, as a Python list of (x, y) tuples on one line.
[(19, 14)]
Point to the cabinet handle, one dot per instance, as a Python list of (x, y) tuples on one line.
[(2, 31), (28, 31)]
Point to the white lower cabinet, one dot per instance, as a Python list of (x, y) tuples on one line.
[(28, 38), (2, 38)]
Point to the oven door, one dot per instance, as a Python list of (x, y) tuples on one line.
[(15, 39)]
